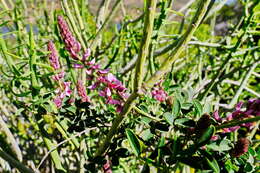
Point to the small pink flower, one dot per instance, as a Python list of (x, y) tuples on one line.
[(113, 101), (92, 62), (67, 90), (119, 108), (78, 66), (108, 92), (58, 76), (111, 77), (103, 71), (58, 101), (94, 86), (216, 116), (214, 138), (159, 94), (89, 71)]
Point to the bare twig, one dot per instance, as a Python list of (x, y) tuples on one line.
[(59, 144)]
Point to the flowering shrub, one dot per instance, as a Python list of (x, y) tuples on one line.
[(168, 91)]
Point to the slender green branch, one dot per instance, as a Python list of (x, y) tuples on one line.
[(148, 29), (9, 135), (242, 85), (104, 25), (73, 24), (183, 41), (76, 8), (145, 114), (20, 166), (236, 122)]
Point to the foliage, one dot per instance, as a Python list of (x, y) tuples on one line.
[(167, 91)]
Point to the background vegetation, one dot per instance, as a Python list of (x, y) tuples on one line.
[(129, 86)]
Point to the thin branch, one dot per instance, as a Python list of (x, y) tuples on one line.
[(236, 122), (59, 144), (20, 166), (148, 29), (181, 44), (246, 88)]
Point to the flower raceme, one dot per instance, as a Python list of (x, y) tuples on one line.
[(240, 148), (71, 44), (54, 61), (107, 85), (53, 56), (158, 93)]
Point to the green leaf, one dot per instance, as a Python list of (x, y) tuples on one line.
[(198, 107), (224, 145), (248, 167), (146, 135), (213, 164), (168, 117), (176, 107), (205, 138), (134, 142), (184, 122)]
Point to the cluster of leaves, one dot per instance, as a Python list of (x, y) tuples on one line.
[(213, 73)]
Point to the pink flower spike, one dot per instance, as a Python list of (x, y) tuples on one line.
[(53, 56)]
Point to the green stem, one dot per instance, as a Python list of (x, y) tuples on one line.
[(20, 166), (148, 28), (183, 41), (104, 25), (147, 34), (73, 24), (10, 137), (236, 122), (76, 8), (145, 114), (242, 85)]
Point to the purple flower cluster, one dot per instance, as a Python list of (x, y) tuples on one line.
[(64, 87), (158, 93), (54, 61), (240, 148), (71, 44), (53, 56), (107, 85), (252, 109), (61, 93)]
